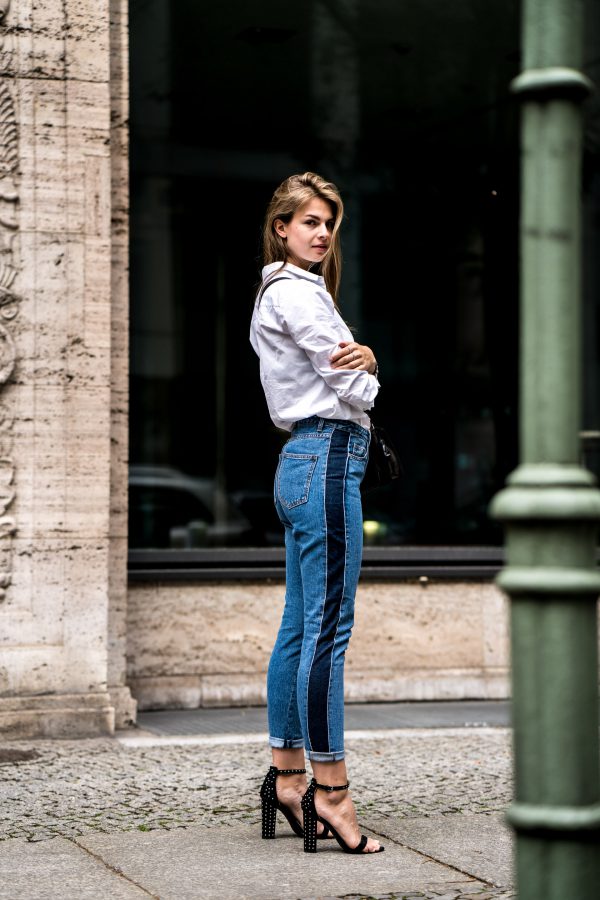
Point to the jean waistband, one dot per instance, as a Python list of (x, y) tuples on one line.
[(316, 423)]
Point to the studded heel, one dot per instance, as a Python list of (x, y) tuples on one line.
[(270, 804), (311, 817)]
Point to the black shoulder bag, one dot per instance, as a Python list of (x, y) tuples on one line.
[(384, 465)]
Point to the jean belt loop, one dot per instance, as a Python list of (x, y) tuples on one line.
[(320, 425)]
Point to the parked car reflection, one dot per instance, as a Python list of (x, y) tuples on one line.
[(169, 509)]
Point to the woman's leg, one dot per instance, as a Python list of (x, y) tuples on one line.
[(285, 732), (291, 788), (329, 531), (319, 486), (331, 540)]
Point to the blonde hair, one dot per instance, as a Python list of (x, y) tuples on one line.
[(291, 194)]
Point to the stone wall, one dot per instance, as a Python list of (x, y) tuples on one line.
[(60, 478), (209, 644)]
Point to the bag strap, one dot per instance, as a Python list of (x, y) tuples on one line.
[(269, 283)]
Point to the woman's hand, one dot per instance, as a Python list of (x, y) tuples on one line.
[(354, 356)]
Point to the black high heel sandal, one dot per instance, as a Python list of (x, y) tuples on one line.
[(311, 817), (270, 804)]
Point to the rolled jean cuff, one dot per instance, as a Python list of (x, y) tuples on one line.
[(334, 756), (286, 743)]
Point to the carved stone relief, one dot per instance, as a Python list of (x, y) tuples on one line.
[(9, 300)]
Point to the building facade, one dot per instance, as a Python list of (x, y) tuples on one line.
[(140, 143)]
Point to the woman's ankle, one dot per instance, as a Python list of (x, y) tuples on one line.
[(292, 758), (333, 774)]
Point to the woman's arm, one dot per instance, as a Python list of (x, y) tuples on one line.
[(311, 322)]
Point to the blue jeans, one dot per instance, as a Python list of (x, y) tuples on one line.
[(317, 496)]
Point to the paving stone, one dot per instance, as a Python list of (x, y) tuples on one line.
[(58, 868), (479, 844), (225, 863)]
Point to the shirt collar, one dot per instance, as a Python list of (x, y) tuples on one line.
[(294, 270)]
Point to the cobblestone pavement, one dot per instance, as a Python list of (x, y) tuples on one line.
[(74, 787)]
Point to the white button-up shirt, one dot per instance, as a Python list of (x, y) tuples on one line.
[(295, 330)]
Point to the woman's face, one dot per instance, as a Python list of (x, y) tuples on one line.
[(308, 233)]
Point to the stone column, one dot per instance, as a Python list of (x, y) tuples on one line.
[(63, 257), (551, 505), (120, 695)]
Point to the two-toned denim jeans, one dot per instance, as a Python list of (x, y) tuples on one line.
[(317, 496)]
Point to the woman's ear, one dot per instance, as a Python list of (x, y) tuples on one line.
[(280, 227)]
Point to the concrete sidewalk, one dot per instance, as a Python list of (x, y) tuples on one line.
[(178, 817), (357, 717)]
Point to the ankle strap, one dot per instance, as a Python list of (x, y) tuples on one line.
[(332, 787), (290, 771)]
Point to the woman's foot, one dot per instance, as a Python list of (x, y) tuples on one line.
[(290, 790), (337, 808)]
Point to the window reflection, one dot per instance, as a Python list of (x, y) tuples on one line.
[(407, 108)]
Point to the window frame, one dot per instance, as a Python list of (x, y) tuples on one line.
[(268, 563)]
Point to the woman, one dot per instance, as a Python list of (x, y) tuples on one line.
[(318, 382)]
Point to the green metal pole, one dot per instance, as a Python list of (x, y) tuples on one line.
[(551, 506)]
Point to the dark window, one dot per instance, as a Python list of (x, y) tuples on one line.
[(407, 107)]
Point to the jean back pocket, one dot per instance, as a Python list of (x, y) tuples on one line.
[(294, 476)]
